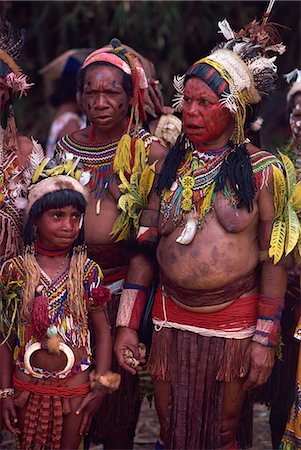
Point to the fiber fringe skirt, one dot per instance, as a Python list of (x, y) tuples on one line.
[(197, 367)]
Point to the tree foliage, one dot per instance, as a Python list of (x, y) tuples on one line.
[(171, 34)]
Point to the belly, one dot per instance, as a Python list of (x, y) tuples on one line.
[(212, 260), (98, 227)]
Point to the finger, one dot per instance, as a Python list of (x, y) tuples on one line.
[(87, 428), (251, 381), (7, 420), (83, 423), (83, 405)]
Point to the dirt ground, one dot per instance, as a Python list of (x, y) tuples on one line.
[(147, 430)]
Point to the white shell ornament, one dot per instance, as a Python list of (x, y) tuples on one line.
[(37, 346), (189, 231)]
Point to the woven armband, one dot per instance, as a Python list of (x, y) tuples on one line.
[(131, 306), (268, 321), (148, 230), (147, 235)]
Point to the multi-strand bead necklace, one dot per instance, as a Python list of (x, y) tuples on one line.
[(194, 187)]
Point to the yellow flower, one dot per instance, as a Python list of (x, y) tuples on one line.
[(187, 182), (186, 204), (187, 193)]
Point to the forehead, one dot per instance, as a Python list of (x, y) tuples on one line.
[(96, 74), (198, 87)]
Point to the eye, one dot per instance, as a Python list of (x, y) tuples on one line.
[(76, 216)]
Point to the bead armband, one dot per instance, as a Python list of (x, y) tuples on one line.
[(268, 321), (131, 306), (6, 392), (107, 383)]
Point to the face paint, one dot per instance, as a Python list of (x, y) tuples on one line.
[(205, 119), (104, 100)]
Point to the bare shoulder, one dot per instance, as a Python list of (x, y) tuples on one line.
[(81, 135)]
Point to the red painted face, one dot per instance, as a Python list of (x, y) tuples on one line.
[(205, 120), (59, 227)]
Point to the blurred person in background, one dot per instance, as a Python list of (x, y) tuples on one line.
[(60, 75), (15, 150)]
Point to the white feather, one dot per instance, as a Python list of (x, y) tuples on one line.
[(225, 29), (178, 83), (177, 102), (294, 75)]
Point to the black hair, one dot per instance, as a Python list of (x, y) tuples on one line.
[(236, 168), (127, 82), (52, 200), (64, 90)]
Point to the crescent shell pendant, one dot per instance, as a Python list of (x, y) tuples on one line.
[(37, 346)]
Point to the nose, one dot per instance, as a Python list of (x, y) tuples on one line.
[(101, 102), (192, 109), (68, 224)]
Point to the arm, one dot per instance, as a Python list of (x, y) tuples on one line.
[(273, 280), (140, 272), (103, 356), (8, 411)]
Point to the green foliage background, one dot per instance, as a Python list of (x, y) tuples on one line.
[(172, 34)]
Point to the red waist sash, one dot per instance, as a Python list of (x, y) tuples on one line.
[(240, 314), (51, 389)]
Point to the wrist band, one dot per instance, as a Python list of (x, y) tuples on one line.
[(6, 392), (108, 383), (130, 308), (268, 320)]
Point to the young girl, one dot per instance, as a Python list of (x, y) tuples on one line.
[(51, 296)]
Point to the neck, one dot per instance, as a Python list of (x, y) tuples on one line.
[(46, 250), (211, 150), (101, 135)]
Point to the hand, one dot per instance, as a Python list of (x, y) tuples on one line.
[(261, 360), (126, 338), (9, 415), (89, 405)]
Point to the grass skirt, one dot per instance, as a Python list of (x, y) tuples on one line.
[(197, 367)]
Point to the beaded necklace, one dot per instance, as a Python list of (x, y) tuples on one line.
[(194, 187), (97, 158)]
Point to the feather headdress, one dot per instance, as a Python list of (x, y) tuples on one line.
[(44, 175), (11, 44), (293, 77), (244, 69)]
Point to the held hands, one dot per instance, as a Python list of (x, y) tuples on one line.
[(259, 365), (89, 405), (129, 353), (9, 415)]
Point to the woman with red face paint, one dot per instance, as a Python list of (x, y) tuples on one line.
[(15, 150), (52, 299), (222, 281)]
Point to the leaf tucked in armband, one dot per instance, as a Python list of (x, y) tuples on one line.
[(292, 229), (277, 240), (290, 172), (279, 191)]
